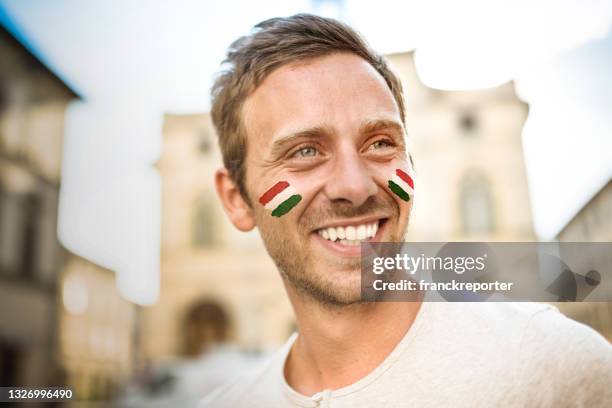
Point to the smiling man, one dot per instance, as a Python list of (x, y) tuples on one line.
[(311, 128)]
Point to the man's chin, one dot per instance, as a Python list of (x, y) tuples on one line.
[(337, 298), (331, 286)]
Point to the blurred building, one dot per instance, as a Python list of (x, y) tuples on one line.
[(592, 223), (97, 331), (471, 182), (218, 285), (471, 186), (32, 105), (62, 321)]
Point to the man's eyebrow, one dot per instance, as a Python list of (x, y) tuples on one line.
[(278, 146), (376, 125)]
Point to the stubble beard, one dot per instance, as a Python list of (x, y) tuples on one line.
[(294, 260)]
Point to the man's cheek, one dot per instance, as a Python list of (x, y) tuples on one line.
[(401, 182), (280, 198)]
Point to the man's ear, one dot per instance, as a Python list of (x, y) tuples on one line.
[(236, 208)]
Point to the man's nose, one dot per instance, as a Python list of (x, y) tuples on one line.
[(350, 179)]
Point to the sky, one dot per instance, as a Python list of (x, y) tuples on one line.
[(131, 61)]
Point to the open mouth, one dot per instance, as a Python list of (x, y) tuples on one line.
[(352, 234)]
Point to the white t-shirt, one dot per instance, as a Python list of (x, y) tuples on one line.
[(459, 355)]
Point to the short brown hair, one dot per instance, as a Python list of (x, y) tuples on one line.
[(271, 44)]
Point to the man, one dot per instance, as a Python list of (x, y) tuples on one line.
[(311, 127)]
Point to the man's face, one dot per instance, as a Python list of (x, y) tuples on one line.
[(329, 127)]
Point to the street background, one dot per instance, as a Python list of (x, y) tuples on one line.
[(121, 277)]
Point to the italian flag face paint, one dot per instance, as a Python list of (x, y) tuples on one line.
[(402, 184), (280, 199)]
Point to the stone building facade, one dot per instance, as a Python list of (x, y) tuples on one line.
[(205, 263), (33, 101), (62, 321), (97, 331), (471, 182)]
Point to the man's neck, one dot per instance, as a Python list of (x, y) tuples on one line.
[(337, 346)]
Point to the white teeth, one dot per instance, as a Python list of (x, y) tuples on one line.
[(332, 234), (350, 235), (361, 232)]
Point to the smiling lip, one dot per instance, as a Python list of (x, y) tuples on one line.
[(354, 221), (345, 249)]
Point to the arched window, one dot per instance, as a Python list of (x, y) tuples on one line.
[(206, 324), (476, 205)]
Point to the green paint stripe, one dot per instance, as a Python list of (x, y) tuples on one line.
[(286, 205), (399, 191)]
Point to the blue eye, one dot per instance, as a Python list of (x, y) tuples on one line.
[(379, 144), (308, 151)]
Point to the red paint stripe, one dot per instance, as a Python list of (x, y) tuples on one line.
[(269, 195), (404, 176)]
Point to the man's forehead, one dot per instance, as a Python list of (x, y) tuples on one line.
[(338, 90)]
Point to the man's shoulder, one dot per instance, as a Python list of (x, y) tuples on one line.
[(547, 328), (234, 393), (551, 335), (536, 325), (565, 360), (492, 318), (256, 386), (544, 356), (531, 329), (229, 393)]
